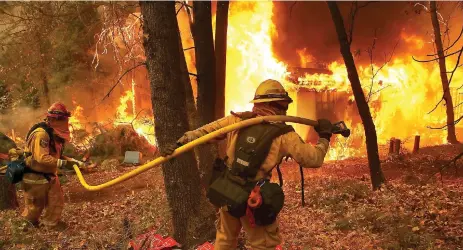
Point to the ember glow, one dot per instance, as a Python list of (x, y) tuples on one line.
[(126, 115)]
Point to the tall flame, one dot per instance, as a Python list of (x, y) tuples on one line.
[(125, 116), (399, 96)]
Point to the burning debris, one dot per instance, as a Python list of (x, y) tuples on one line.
[(115, 142)]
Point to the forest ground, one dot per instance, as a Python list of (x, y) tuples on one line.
[(341, 211)]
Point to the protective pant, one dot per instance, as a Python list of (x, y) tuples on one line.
[(259, 237), (48, 196)]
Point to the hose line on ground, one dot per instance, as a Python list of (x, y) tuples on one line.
[(189, 146)]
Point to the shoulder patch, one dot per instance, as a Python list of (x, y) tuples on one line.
[(44, 143)]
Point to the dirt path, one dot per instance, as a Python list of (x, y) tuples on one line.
[(341, 211)]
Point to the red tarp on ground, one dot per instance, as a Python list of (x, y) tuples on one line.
[(206, 246), (153, 241)]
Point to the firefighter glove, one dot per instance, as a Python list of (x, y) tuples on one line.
[(187, 137), (324, 129), (169, 149), (68, 164)]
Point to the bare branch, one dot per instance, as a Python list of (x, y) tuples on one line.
[(179, 9), (454, 123), (453, 44), (386, 61), (120, 78), (353, 12), (135, 118), (291, 8), (454, 161), (456, 66), (380, 89), (435, 107), (437, 58), (459, 104), (183, 3), (2, 11)]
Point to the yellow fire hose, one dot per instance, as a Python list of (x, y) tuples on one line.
[(339, 128)]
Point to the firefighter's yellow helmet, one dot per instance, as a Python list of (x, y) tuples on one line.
[(271, 91)]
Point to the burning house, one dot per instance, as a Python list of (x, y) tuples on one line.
[(314, 100)]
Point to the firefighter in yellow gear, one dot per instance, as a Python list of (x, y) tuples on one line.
[(42, 189), (270, 99)]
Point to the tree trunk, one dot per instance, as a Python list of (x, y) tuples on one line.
[(181, 177), (451, 137), (377, 177), (46, 92), (205, 60), (221, 26), (205, 67), (8, 198), (189, 98), (43, 72)]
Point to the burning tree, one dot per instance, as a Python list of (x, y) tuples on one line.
[(451, 137), (377, 177), (161, 42), (440, 57), (221, 56), (206, 78)]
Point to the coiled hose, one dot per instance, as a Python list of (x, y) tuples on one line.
[(189, 146)]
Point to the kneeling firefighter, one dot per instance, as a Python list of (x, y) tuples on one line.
[(42, 189), (240, 185)]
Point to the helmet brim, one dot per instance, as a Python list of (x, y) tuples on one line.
[(57, 116), (272, 100)]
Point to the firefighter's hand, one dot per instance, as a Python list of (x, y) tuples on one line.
[(324, 129), (68, 164), (78, 163), (187, 137), (169, 149)]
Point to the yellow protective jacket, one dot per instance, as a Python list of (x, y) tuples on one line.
[(289, 144), (43, 159)]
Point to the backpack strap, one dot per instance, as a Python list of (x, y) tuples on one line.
[(280, 176), (252, 147), (49, 130), (284, 129), (302, 184), (244, 115)]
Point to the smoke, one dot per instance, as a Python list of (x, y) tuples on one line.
[(21, 120), (307, 26)]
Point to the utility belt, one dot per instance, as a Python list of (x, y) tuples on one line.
[(229, 190), (16, 169)]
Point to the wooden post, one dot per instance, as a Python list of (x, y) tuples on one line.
[(397, 146), (13, 135), (391, 145), (416, 146)]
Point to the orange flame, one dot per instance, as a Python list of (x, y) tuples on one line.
[(400, 95), (123, 116)]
